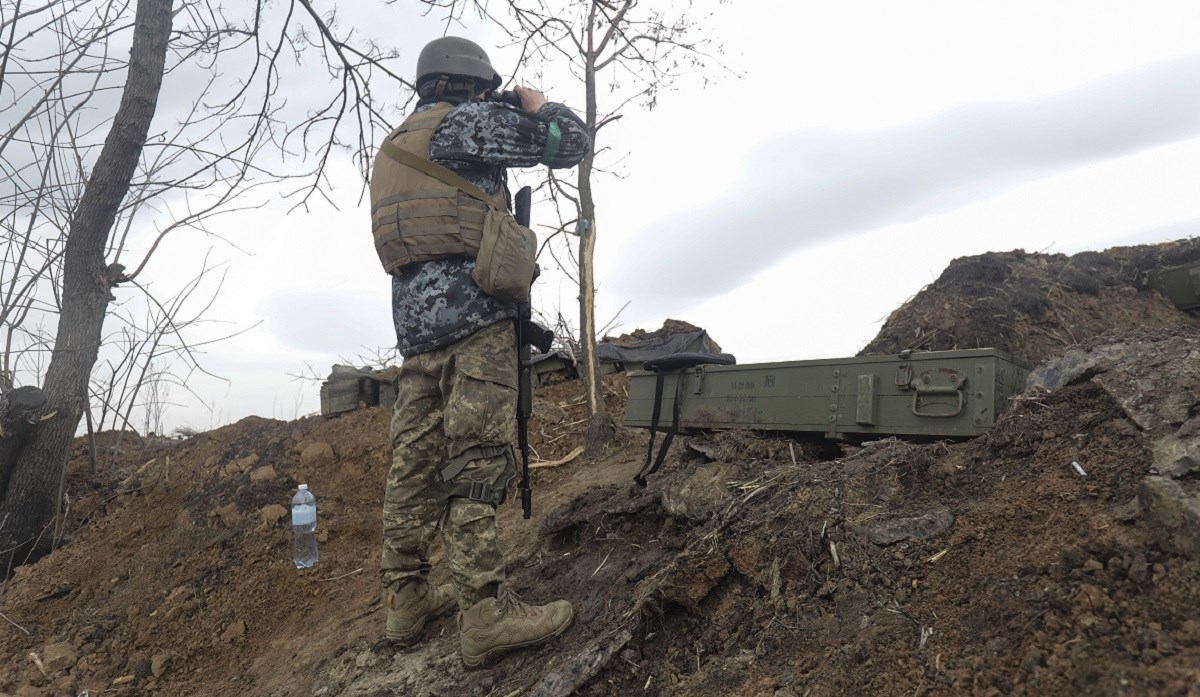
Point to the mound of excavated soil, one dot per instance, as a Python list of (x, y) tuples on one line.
[(669, 328), (1036, 305), (1038, 559)]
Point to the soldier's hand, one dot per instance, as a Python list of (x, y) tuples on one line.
[(531, 99)]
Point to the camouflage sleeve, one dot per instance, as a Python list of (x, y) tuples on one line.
[(498, 135)]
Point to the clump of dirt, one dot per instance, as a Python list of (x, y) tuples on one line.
[(1053, 555), (669, 328), (1036, 305)]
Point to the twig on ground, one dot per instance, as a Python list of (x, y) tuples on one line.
[(555, 463), (606, 556), (372, 607), (335, 578), (14, 624)]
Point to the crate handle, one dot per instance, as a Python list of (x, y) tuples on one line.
[(931, 391)]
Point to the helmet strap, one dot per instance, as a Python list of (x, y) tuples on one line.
[(447, 91)]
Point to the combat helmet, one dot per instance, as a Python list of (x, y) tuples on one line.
[(453, 55)]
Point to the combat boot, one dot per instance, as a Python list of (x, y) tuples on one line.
[(414, 605), (495, 626)]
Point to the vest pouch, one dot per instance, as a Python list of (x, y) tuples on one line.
[(506, 259)]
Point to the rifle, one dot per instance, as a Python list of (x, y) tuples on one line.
[(529, 333)]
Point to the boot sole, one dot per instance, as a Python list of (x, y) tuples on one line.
[(412, 636), (488, 657)]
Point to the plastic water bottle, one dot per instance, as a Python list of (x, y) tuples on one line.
[(304, 525)]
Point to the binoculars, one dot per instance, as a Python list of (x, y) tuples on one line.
[(505, 97)]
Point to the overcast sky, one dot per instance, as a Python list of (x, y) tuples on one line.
[(788, 211)]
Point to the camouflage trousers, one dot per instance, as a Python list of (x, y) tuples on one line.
[(453, 402)]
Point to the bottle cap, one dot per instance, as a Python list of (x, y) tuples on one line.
[(303, 487)]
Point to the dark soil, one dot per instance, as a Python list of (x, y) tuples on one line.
[(1035, 305), (670, 327)]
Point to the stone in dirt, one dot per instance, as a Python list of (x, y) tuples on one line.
[(228, 514), (59, 656), (579, 670), (1077, 364), (272, 514), (236, 631), (1176, 456), (1173, 516), (263, 474), (317, 454), (890, 531), (158, 664)]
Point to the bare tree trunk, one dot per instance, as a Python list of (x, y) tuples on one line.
[(33, 497), (18, 409), (600, 429)]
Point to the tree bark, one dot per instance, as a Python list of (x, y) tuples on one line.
[(17, 409), (34, 489)]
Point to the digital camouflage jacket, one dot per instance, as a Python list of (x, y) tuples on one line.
[(436, 303)]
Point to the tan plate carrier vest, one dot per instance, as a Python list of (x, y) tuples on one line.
[(422, 211)]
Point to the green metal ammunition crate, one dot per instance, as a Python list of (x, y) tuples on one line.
[(934, 393), (342, 395), (1181, 285)]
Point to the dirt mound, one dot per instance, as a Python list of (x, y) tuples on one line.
[(669, 328), (1036, 305), (1058, 554)]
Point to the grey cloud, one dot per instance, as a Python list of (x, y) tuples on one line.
[(815, 185)]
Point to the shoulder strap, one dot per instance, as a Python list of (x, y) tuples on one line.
[(442, 174), (428, 120)]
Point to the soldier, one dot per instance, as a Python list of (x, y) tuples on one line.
[(455, 417)]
